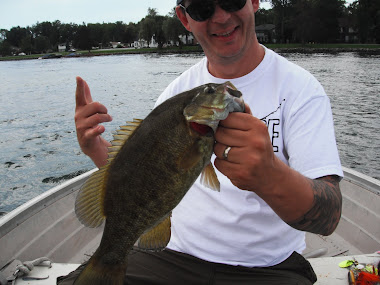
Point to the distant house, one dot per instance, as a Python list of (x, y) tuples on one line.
[(116, 44), (188, 40), (266, 33), (347, 33), (141, 43), (62, 47)]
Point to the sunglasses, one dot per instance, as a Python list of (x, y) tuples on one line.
[(200, 10)]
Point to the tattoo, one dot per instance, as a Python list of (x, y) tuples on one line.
[(325, 213)]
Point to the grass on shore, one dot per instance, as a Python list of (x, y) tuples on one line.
[(189, 49)]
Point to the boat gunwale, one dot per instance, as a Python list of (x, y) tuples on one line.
[(367, 182), (13, 219)]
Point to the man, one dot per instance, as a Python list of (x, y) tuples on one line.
[(278, 163)]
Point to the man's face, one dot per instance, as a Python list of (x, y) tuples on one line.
[(226, 36)]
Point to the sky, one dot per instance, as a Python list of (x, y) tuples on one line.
[(25, 13)]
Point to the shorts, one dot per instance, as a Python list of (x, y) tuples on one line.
[(172, 268)]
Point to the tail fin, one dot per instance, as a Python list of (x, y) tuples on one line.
[(96, 273)]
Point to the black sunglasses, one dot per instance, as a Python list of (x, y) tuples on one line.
[(200, 10)]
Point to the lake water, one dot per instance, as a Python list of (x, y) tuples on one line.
[(37, 132)]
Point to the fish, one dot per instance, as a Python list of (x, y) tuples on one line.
[(152, 163)]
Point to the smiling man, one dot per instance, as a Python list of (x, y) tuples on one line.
[(278, 163)]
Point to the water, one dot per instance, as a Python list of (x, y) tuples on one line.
[(37, 132)]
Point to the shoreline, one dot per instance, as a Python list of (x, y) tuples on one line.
[(279, 48)]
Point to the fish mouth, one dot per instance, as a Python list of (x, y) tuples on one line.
[(221, 100)]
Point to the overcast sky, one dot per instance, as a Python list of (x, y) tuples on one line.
[(25, 13)]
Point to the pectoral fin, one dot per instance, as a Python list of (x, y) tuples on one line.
[(157, 237), (209, 178), (89, 204)]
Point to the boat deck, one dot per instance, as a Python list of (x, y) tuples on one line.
[(327, 270)]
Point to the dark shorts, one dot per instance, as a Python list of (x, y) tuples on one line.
[(173, 268)]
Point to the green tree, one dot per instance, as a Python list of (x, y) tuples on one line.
[(5, 48), (96, 33), (130, 33), (147, 29), (304, 21), (369, 20), (82, 39), (264, 16), (15, 35), (41, 44), (282, 10), (328, 12), (26, 44), (159, 34)]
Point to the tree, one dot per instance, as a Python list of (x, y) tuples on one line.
[(130, 33), (82, 39), (5, 48), (304, 21), (369, 20), (26, 44), (96, 33), (159, 34), (41, 44), (264, 16), (147, 29), (282, 10), (15, 35), (328, 12)]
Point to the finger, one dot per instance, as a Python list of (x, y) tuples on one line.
[(219, 150), (247, 109), (231, 137), (92, 121), (82, 93), (80, 98), (237, 121), (227, 167), (87, 92), (87, 138), (232, 155), (91, 109)]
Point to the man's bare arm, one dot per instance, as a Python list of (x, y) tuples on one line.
[(325, 213)]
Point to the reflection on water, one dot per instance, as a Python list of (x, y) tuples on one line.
[(38, 140)]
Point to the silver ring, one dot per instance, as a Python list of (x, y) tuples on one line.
[(225, 152)]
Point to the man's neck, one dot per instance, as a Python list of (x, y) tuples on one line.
[(232, 68)]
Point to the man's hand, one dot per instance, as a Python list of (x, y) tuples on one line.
[(88, 116), (303, 203)]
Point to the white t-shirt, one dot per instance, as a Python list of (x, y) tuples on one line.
[(237, 227)]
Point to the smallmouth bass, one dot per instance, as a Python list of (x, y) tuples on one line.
[(152, 164)]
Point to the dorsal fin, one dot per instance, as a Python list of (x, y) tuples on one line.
[(121, 136), (89, 204)]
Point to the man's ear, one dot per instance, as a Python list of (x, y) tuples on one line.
[(255, 5), (181, 14)]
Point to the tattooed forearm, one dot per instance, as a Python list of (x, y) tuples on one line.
[(325, 214)]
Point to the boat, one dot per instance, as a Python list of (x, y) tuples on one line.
[(47, 226), (50, 55)]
